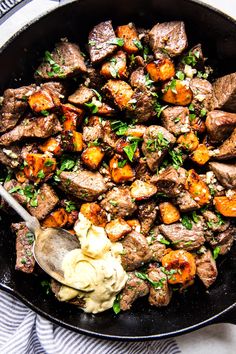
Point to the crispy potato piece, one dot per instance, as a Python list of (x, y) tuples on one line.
[(178, 93), (129, 34), (169, 213), (39, 166), (197, 188), (201, 155), (72, 116), (198, 125), (57, 218), (226, 206), (94, 213), (188, 141), (43, 100), (134, 224), (72, 141), (52, 145), (161, 70), (20, 177), (136, 131), (120, 174), (120, 92), (116, 66), (183, 263), (105, 110), (140, 190), (92, 157), (117, 229)]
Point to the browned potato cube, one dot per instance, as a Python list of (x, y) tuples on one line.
[(57, 218), (72, 116), (201, 155), (43, 100), (52, 145), (39, 166), (197, 188), (188, 141), (120, 92), (120, 171), (161, 70), (92, 157), (130, 36), (115, 67), (72, 141), (142, 190), (198, 125), (177, 92), (134, 224), (116, 229), (169, 213), (94, 213)]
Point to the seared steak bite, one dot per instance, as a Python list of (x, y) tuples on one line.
[(224, 240), (93, 131), (186, 203), (135, 251), (138, 79), (14, 105), (65, 61), (202, 95), (102, 42), (81, 96), (41, 127), (11, 156), (176, 120), (220, 125), (85, 185), (143, 107), (168, 37), (134, 288), (46, 201), (24, 241), (214, 222), (160, 293), (225, 93), (170, 181), (225, 173), (147, 213), (183, 238), (157, 244), (118, 202), (227, 150), (157, 141), (206, 268)]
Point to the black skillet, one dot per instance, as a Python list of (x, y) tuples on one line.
[(190, 311)]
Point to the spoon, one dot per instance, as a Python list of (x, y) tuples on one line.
[(51, 244)]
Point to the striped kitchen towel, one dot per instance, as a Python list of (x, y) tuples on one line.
[(24, 332)]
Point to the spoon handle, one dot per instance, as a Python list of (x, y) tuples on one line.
[(31, 222)]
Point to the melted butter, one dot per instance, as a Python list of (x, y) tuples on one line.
[(95, 268)]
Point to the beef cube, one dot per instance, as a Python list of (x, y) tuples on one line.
[(93, 131), (228, 149), (81, 96), (183, 238), (168, 37), (220, 125), (85, 185), (41, 127), (142, 171), (193, 57), (72, 296), (14, 188), (143, 107), (225, 173), (213, 221), (157, 247), (109, 136), (138, 79), (118, 202), (160, 294), (186, 203), (102, 42), (24, 243), (134, 288), (46, 202), (176, 120), (56, 87), (225, 93), (224, 240), (202, 94), (14, 106), (11, 156), (170, 181), (147, 213), (94, 79), (206, 268), (65, 61), (157, 141), (135, 251), (120, 92)]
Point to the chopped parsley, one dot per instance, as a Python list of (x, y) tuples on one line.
[(46, 286), (177, 158), (41, 174), (159, 108), (117, 41), (187, 222), (113, 203), (67, 163), (92, 106), (148, 81), (138, 44), (30, 237), (159, 143), (116, 305), (45, 113), (216, 252), (155, 284), (130, 150), (121, 163), (48, 163), (70, 206), (172, 86), (191, 58), (119, 127), (203, 112), (55, 68), (180, 75), (164, 241)]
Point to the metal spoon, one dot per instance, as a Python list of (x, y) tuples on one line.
[(51, 244)]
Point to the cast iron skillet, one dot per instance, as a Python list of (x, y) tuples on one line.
[(196, 308)]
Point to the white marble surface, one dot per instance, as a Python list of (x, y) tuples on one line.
[(221, 338)]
